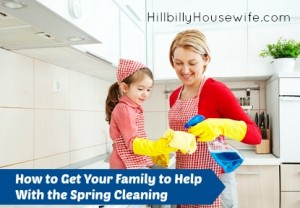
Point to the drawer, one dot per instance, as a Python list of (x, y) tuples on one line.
[(290, 199), (289, 86), (290, 177)]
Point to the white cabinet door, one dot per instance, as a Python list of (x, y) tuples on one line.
[(226, 40), (162, 67), (133, 40), (135, 10), (228, 49), (274, 11), (99, 19)]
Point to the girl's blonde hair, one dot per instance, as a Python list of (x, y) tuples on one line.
[(193, 40), (114, 92)]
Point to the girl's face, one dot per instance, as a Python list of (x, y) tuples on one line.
[(138, 92), (189, 66)]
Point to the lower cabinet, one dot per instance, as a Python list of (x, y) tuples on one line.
[(290, 185), (258, 186)]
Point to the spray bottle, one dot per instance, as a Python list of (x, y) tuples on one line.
[(224, 154)]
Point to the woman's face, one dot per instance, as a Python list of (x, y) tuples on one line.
[(189, 66)]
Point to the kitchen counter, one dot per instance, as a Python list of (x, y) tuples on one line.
[(251, 158)]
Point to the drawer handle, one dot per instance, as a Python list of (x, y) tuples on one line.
[(247, 173)]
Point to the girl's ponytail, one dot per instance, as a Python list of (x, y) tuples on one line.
[(112, 100)]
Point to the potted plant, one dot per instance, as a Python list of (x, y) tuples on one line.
[(284, 52)]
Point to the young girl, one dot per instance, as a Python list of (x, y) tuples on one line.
[(131, 148)]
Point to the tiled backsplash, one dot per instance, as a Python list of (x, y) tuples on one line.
[(49, 116)]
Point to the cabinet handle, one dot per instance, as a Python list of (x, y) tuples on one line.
[(289, 98), (247, 173)]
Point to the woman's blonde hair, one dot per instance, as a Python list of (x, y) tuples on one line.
[(193, 40)]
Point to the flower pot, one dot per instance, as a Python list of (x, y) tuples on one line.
[(284, 64)]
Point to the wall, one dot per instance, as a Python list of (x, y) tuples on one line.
[(50, 116), (156, 108)]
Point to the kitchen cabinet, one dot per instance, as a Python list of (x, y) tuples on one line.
[(270, 8), (290, 185), (224, 38), (133, 40), (100, 19), (135, 10), (220, 42), (161, 66), (132, 30), (258, 186)]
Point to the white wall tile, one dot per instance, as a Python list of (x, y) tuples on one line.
[(82, 129), (83, 154), (81, 91), (51, 86), (52, 132), (101, 128), (157, 101), (155, 124), (170, 88), (16, 80), (101, 90), (16, 135), (54, 161), (42, 126)]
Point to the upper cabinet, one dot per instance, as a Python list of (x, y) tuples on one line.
[(236, 32), (132, 29), (135, 10), (133, 40), (274, 11), (102, 21), (118, 25)]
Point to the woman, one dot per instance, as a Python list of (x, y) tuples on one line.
[(189, 55)]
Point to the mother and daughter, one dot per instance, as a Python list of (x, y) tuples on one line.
[(189, 55)]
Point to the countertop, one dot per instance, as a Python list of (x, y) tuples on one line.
[(252, 158)]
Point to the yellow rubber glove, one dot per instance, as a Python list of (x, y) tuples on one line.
[(144, 146), (184, 141), (161, 160), (211, 128)]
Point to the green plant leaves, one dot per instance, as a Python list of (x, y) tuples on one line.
[(283, 48)]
